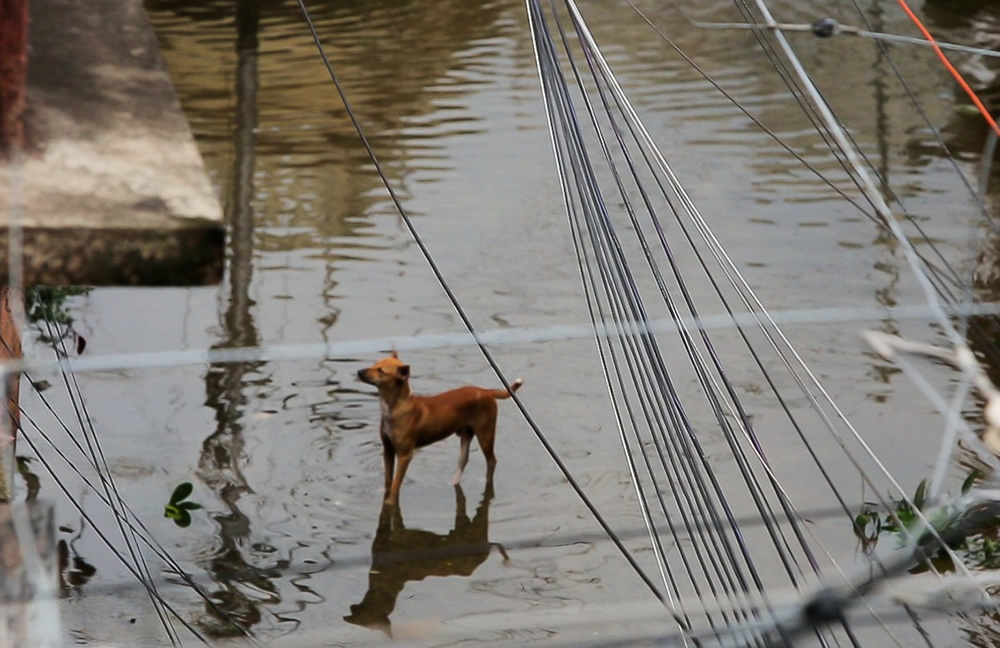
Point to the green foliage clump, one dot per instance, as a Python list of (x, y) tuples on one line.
[(976, 544)]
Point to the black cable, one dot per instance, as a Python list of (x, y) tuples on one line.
[(626, 286), (688, 341), (148, 539), (593, 303), (716, 362), (108, 483), (624, 281), (151, 591)]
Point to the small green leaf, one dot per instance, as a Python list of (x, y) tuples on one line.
[(184, 521), (180, 516), (920, 496), (190, 506), (971, 480), (181, 492)]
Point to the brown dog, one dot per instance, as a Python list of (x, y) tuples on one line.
[(410, 422)]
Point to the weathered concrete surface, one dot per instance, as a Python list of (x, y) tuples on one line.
[(112, 189)]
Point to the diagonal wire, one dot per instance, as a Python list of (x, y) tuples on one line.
[(543, 44), (951, 68), (697, 364), (944, 272), (131, 520), (125, 515), (648, 341), (113, 495), (739, 414), (125, 561)]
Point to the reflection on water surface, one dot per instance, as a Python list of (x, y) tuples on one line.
[(293, 542)]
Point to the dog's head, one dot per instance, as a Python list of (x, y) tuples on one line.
[(387, 373)]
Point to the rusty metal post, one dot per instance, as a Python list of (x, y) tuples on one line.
[(13, 84), (10, 416), (13, 72)]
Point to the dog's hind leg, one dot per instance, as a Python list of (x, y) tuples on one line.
[(465, 439), (485, 435)]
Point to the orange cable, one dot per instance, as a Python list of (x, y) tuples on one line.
[(951, 68)]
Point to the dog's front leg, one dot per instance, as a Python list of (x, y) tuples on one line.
[(403, 460), (389, 461)]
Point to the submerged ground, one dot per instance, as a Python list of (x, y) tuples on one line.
[(284, 455)]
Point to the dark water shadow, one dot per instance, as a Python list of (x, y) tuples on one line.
[(976, 23), (401, 555)]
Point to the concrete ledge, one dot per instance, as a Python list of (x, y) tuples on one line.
[(112, 189)]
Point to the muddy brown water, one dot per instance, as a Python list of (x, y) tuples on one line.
[(284, 455)]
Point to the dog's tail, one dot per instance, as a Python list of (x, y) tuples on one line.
[(500, 394)]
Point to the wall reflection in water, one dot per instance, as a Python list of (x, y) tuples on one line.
[(401, 555), (222, 453)]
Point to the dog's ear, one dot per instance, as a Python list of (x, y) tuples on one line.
[(403, 371), (394, 354)]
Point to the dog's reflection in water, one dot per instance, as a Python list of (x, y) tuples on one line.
[(401, 555)]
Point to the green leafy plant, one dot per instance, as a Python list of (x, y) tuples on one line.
[(976, 543), (30, 478), (45, 307), (179, 510)]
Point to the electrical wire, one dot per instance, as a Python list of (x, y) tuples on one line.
[(622, 287), (126, 515), (959, 79), (125, 561), (111, 492)]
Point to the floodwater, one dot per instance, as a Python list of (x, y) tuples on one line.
[(284, 455)]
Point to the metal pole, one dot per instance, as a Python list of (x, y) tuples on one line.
[(10, 413), (13, 81), (13, 72)]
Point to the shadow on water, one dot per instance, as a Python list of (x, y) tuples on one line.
[(978, 23), (401, 555)]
